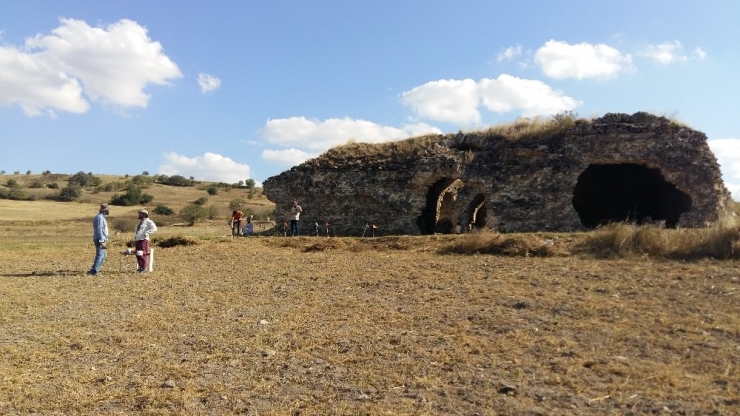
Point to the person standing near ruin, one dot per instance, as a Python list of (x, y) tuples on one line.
[(295, 213), (236, 222), (141, 240), (100, 238)]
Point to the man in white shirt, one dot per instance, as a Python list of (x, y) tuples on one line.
[(295, 213), (141, 240)]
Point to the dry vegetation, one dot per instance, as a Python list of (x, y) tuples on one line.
[(606, 322)]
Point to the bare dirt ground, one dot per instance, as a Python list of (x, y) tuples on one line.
[(314, 326)]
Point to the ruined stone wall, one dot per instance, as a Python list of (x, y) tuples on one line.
[(618, 167)]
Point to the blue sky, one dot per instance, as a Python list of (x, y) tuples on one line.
[(230, 90)]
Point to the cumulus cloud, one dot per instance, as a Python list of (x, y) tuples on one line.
[(509, 53), (458, 101), (35, 84), (287, 157), (532, 97), (111, 64), (728, 156), (665, 53), (322, 135), (209, 167), (561, 60), (208, 83), (448, 100)]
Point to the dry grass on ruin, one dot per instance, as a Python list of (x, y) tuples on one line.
[(389, 325)]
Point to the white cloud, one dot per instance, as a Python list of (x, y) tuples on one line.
[(321, 135), (665, 53), (509, 53), (111, 64), (209, 167), (532, 97), (448, 100), (699, 54), (727, 152), (30, 81), (288, 157), (458, 101), (208, 83), (561, 60)]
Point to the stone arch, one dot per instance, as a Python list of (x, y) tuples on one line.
[(477, 212), (627, 192), (438, 215)]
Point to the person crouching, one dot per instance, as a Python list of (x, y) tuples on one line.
[(141, 240)]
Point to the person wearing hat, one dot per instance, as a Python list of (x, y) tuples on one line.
[(100, 238), (141, 240)]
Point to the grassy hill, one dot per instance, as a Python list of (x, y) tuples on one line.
[(45, 207)]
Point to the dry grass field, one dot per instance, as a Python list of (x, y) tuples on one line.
[(591, 324)]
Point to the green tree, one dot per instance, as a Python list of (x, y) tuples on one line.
[(145, 173), (28, 172), (236, 204), (133, 196), (192, 213), (85, 179), (2, 172), (250, 183), (177, 180), (212, 190), (72, 191)]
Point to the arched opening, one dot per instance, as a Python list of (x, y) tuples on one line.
[(437, 216), (477, 211), (627, 192)]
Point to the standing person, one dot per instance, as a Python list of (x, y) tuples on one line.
[(141, 240), (236, 222), (100, 238), (295, 212)]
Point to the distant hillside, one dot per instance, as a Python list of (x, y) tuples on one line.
[(47, 187)]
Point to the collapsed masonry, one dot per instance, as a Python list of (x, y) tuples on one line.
[(615, 168)]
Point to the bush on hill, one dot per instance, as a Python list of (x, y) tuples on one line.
[(133, 196)]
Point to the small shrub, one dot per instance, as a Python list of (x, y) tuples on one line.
[(236, 204), (71, 192), (133, 196), (53, 185), (212, 190), (201, 201), (179, 240), (163, 210), (12, 183), (177, 180), (36, 184), (212, 212), (125, 224)]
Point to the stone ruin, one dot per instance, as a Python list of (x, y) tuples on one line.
[(615, 168)]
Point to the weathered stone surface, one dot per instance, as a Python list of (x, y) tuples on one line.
[(615, 168)]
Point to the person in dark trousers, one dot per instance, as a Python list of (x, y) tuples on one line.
[(295, 213), (141, 240), (100, 238)]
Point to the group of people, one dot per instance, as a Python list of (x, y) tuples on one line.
[(146, 226), (141, 239), (236, 224)]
